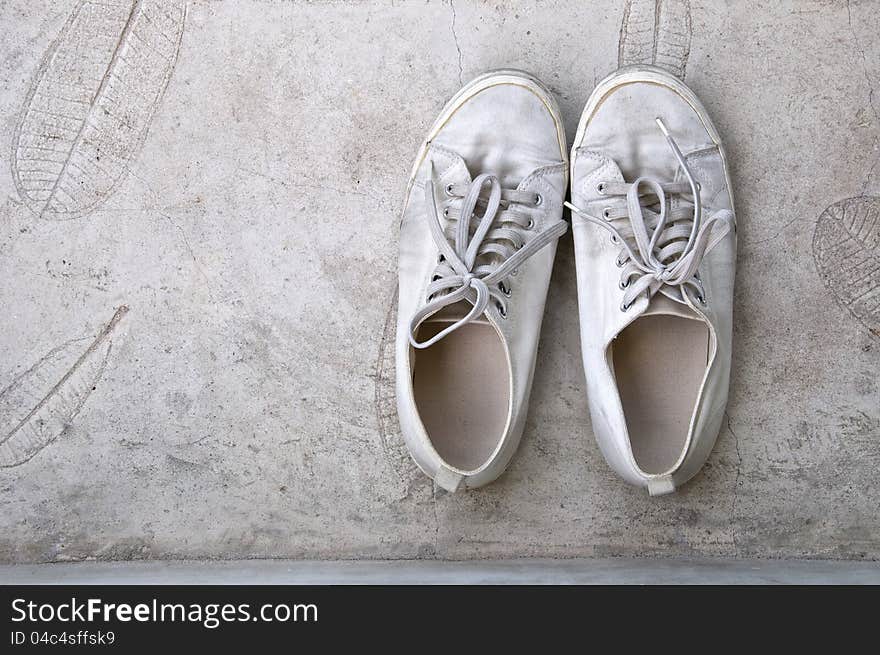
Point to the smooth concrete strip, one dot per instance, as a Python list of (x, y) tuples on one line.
[(525, 571)]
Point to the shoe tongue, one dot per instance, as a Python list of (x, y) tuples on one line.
[(455, 312), (652, 158), (660, 305)]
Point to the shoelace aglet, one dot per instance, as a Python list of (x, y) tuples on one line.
[(662, 127), (573, 209)]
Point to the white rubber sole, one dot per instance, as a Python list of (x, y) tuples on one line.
[(472, 88), (645, 74)]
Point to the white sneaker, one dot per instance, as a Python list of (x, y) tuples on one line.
[(655, 247), (472, 292)]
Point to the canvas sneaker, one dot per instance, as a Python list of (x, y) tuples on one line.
[(478, 236), (655, 250)]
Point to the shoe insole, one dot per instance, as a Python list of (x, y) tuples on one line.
[(659, 363), (461, 389)]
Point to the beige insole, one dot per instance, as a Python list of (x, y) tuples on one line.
[(659, 363), (461, 390)]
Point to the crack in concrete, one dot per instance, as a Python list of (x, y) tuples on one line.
[(436, 519), (867, 76), (457, 46), (191, 252), (776, 235), (316, 184), (167, 217), (872, 169), (735, 487), (864, 57)]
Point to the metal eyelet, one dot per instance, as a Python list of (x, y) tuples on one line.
[(441, 258), (701, 300), (448, 189), (618, 263), (539, 199), (601, 188), (614, 239), (623, 285), (531, 224), (501, 311), (504, 289), (606, 212), (625, 307), (446, 212)]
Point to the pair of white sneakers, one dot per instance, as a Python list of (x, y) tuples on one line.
[(655, 246)]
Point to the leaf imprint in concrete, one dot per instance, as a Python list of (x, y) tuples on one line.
[(43, 401), (656, 32), (846, 249), (91, 103)]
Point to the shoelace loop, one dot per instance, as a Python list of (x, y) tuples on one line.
[(476, 267), (661, 258)]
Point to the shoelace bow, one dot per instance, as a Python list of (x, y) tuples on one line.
[(476, 267), (670, 245)]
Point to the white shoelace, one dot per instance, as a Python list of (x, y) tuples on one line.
[(669, 244), (477, 267)]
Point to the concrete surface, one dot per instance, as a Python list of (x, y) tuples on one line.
[(239, 195), (618, 570)]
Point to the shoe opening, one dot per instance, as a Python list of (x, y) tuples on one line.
[(461, 386), (659, 363)]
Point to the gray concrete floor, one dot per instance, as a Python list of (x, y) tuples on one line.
[(621, 570), (253, 158)]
